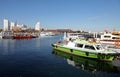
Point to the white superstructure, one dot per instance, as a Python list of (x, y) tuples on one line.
[(110, 38)]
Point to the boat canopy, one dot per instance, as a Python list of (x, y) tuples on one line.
[(85, 42)]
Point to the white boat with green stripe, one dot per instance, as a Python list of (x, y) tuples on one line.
[(88, 49)]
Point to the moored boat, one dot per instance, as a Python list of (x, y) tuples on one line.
[(88, 49), (23, 37), (110, 37)]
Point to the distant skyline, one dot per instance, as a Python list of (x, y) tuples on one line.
[(88, 15)]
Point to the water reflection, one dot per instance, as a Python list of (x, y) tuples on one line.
[(88, 65), (116, 63), (7, 47)]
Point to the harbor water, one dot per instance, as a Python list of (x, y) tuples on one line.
[(36, 58)]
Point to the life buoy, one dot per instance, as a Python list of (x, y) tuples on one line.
[(117, 44)]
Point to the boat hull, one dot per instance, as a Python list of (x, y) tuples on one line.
[(23, 37), (98, 56)]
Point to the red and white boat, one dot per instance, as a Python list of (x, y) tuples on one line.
[(23, 37)]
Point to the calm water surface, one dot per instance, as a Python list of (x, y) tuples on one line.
[(36, 58)]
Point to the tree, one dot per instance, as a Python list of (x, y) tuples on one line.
[(0, 30)]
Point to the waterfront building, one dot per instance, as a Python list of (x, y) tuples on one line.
[(6, 25), (37, 26), (19, 26), (23, 27), (12, 24)]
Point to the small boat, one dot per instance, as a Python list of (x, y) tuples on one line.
[(6, 35), (44, 34), (86, 48)]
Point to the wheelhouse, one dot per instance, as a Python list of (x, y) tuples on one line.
[(89, 46)]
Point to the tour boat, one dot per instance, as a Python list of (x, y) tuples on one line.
[(110, 37), (86, 48)]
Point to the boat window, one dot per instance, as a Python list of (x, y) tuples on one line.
[(79, 45), (115, 38), (116, 34), (98, 47), (89, 47), (107, 36)]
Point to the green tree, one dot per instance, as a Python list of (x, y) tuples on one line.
[(0, 30)]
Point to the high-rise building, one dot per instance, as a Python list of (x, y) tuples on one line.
[(6, 24), (37, 26), (12, 25)]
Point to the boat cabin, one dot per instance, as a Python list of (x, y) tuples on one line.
[(110, 36), (89, 46)]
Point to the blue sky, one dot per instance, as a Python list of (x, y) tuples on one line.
[(88, 15)]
